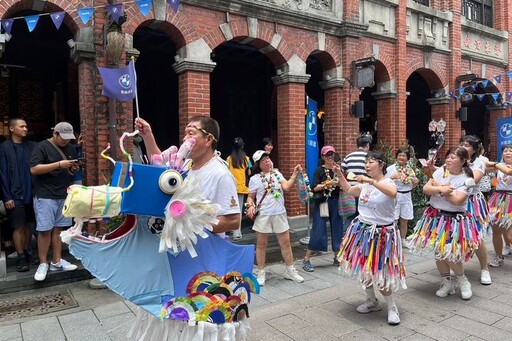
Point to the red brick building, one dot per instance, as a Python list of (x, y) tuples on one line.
[(251, 63)]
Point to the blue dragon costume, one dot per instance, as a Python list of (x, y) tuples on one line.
[(163, 256)]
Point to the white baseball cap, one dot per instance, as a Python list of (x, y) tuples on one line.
[(65, 130), (258, 155)]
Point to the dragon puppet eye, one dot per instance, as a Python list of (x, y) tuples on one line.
[(170, 181)]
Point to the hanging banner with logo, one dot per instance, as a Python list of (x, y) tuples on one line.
[(144, 6), (58, 18), (504, 134), (120, 83), (115, 11), (311, 138), (31, 22), (174, 4), (7, 25), (85, 14)]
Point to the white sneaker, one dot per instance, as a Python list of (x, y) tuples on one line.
[(62, 265), (369, 305), (465, 288), (261, 277), (41, 272), (405, 244), (447, 288), (293, 274), (506, 251), (485, 277), (393, 316), (497, 261), (12, 255)]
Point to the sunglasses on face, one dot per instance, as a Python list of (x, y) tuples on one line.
[(329, 154)]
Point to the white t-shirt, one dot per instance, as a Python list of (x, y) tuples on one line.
[(218, 185), (374, 206), (504, 182), (477, 165), (270, 205), (439, 202)]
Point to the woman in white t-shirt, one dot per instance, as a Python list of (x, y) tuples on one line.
[(266, 188), (446, 227), (405, 180), (477, 205), (500, 204), (371, 248)]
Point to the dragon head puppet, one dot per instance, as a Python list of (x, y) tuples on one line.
[(162, 256)]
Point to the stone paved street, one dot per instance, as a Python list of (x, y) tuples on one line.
[(321, 308)]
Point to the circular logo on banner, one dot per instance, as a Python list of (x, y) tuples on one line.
[(312, 123), (506, 130), (124, 81)]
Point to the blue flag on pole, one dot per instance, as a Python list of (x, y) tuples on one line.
[(174, 4), (119, 83), (504, 134), (311, 138)]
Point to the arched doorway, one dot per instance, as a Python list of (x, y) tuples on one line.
[(38, 80), (243, 96), (157, 84)]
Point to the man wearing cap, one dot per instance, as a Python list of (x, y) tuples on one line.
[(53, 165)]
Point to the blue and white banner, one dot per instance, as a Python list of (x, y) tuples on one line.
[(57, 18), (31, 22), (311, 138), (115, 11), (174, 4), (144, 6), (85, 14), (120, 83), (7, 25), (504, 134)]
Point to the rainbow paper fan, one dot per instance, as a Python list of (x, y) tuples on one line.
[(220, 289), (241, 313), (182, 311), (232, 278), (202, 299), (201, 281), (243, 290), (250, 279), (234, 301), (217, 314)]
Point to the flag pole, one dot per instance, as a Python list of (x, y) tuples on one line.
[(136, 96)]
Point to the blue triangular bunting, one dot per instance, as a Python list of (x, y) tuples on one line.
[(485, 83), (144, 6), (115, 11), (509, 74), (495, 95), (58, 18), (498, 79), (7, 25), (31, 21), (85, 14), (480, 96), (174, 4)]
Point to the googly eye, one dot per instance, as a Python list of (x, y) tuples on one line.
[(170, 181)]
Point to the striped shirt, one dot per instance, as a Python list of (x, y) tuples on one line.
[(354, 162)]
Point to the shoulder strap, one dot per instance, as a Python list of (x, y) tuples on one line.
[(58, 149), (261, 200)]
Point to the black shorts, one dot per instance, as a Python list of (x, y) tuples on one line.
[(20, 216)]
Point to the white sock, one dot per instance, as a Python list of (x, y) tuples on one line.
[(370, 293), (290, 267), (390, 300)]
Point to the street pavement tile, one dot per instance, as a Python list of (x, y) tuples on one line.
[(431, 276), (489, 305), (90, 332), (416, 337), (279, 309), (504, 298), (340, 308), (110, 310), (286, 323), (419, 267), (312, 333), (261, 331), (83, 325), (42, 329), (326, 320), (477, 329), (118, 325), (429, 328), (363, 334), (505, 324), (10, 332), (272, 294), (411, 302)]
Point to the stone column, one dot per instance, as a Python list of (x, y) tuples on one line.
[(291, 99), (333, 102), (388, 128)]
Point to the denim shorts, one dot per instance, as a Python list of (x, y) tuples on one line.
[(49, 214)]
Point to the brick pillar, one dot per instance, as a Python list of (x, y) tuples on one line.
[(333, 95), (194, 89), (494, 115), (396, 132), (291, 131)]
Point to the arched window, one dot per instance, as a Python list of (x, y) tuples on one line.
[(422, 2), (479, 11)]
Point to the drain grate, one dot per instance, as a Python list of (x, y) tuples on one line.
[(22, 307)]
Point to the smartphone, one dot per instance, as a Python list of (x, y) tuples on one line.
[(423, 162)]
